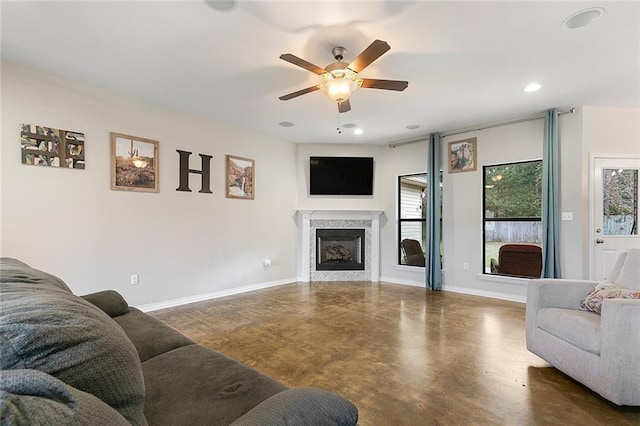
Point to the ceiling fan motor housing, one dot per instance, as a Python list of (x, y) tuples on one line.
[(338, 53)]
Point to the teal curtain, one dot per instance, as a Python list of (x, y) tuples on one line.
[(550, 197), (433, 264)]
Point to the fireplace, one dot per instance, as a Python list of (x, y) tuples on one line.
[(309, 221), (340, 249)]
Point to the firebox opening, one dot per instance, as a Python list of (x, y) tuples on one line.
[(340, 249)]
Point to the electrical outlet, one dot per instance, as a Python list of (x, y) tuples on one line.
[(465, 266), (135, 279), (267, 263)]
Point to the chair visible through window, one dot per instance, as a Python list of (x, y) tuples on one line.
[(412, 252), (520, 260)]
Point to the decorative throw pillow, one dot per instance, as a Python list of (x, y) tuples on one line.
[(606, 290)]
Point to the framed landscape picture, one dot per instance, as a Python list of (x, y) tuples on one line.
[(462, 155), (134, 163), (240, 178)]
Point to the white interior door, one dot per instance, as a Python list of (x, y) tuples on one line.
[(615, 211)]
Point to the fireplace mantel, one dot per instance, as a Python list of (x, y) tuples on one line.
[(304, 224)]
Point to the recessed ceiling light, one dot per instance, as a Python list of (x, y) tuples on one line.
[(533, 87), (413, 126), (349, 125), (358, 132), (221, 5), (583, 18), (286, 124)]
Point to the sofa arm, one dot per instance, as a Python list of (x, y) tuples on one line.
[(620, 351), (301, 406), (111, 302)]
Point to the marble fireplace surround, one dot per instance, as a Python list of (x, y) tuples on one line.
[(309, 220)]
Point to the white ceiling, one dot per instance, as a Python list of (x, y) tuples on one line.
[(466, 62)]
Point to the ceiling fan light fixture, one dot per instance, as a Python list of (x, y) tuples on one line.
[(339, 86)]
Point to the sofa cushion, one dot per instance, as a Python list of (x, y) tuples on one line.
[(150, 336), (49, 329), (194, 385), (579, 328), (31, 397), (606, 290), (14, 271)]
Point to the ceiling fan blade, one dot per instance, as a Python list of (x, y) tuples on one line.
[(372, 83), (344, 106), (368, 55), (302, 63), (299, 93)]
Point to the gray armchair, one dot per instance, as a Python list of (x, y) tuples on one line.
[(602, 351)]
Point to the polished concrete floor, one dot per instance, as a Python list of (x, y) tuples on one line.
[(402, 355)]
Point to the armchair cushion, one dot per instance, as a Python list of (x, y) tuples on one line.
[(629, 276), (606, 290), (581, 329)]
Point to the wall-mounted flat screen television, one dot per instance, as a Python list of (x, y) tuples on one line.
[(341, 175)]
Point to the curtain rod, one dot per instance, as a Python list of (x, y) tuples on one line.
[(571, 110)]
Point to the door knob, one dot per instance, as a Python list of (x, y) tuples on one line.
[(599, 241)]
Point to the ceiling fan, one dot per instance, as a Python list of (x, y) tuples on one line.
[(341, 79)]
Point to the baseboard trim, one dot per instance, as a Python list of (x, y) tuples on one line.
[(484, 293), (462, 290), (213, 295), (253, 287), (403, 282)]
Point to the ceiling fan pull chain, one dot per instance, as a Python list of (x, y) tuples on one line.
[(338, 124)]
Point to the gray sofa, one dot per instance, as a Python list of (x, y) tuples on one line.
[(600, 350), (95, 360)]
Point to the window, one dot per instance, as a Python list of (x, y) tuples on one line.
[(620, 199), (512, 212), (411, 219)]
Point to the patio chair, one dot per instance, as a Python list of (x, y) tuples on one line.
[(520, 260)]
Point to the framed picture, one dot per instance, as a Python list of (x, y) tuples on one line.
[(45, 146), (134, 163), (240, 178), (462, 155)]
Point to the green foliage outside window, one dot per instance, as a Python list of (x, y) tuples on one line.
[(513, 190)]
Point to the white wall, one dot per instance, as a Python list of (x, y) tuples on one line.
[(70, 223), (571, 232)]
